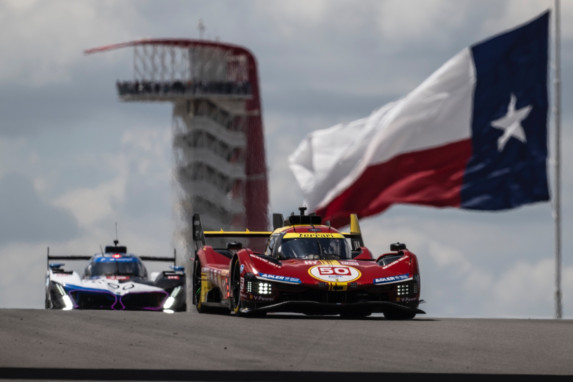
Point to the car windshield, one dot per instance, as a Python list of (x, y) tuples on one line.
[(315, 249), (117, 268)]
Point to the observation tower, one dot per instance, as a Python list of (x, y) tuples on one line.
[(217, 129)]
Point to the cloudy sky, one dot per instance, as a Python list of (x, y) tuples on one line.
[(74, 160)]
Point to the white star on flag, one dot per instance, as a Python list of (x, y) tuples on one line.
[(511, 123)]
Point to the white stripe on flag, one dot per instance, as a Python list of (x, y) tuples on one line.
[(434, 114)]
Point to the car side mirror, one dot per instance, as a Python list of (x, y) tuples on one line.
[(395, 247)]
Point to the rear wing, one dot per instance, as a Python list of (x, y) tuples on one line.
[(165, 259), (172, 259), (199, 234), (355, 234)]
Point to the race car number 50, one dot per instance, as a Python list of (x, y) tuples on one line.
[(334, 273)]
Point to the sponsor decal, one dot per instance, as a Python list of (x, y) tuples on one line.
[(355, 263), (311, 262), (391, 279), (395, 262), (334, 273), (117, 277), (115, 260), (283, 279), (242, 268), (261, 298), (311, 235), (265, 261)]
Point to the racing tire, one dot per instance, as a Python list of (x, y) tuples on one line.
[(235, 286), (196, 290), (235, 281)]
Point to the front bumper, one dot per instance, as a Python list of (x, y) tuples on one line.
[(70, 297), (325, 308), (400, 298)]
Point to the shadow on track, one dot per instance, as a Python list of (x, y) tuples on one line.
[(45, 374), (300, 316)]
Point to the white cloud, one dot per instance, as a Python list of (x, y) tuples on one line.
[(22, 275), (44, 40), (524, 284), (143, 160), (91, 205), (152, 148), (404, 23), (287, 17)]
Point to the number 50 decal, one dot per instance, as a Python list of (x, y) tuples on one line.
[(334, 273), (341, 271)]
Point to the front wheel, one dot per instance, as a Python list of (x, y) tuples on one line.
[(236, 288), (237, 304)]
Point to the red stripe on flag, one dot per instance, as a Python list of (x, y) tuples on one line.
[(430, 177)]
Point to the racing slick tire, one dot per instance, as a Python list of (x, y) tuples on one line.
[(236, 305), (197, 298)]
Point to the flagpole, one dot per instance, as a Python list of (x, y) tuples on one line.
[(557, 192)]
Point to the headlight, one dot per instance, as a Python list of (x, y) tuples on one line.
[(171, 299), (259, 287), (68, 303), (403, 289), (407, 289), (264, 288)]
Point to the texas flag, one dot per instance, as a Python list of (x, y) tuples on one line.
[(473, 135)]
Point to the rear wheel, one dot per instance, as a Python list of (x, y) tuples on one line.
[(197, 299)]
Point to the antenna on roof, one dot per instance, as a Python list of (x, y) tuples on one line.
[(201, 28), (116, 235)]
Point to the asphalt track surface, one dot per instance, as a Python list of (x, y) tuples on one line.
[(149, 346)]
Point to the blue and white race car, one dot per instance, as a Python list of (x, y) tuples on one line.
[(115, 280)]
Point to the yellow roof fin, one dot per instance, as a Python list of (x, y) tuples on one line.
[(354, 226)]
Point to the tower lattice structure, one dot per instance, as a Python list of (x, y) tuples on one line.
[(217, 129)]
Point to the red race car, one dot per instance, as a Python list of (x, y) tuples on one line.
[(305, 267)]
